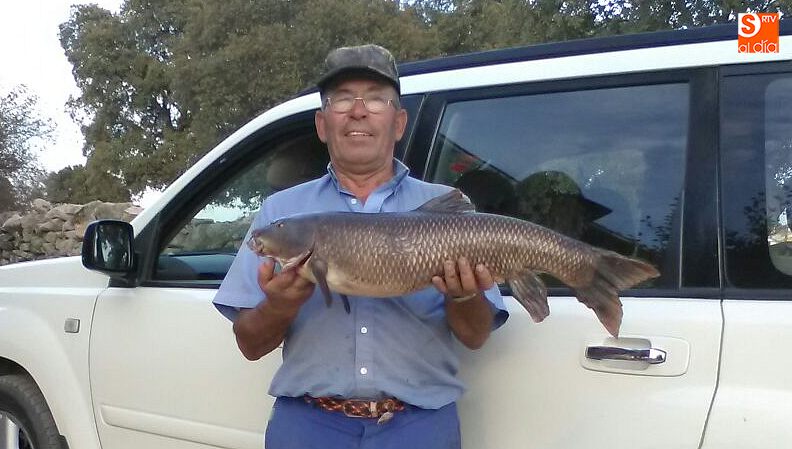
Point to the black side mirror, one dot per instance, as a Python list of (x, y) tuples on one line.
[(107, 248)]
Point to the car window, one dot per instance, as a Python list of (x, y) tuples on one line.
[(756, 142), (204, 239), (778, 172), (602, 165), (204, 247)]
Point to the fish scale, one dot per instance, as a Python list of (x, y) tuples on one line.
[(394, 254)]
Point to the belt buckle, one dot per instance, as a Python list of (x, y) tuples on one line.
[(349, 409)]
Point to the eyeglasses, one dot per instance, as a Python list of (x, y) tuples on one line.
[(375, 105)]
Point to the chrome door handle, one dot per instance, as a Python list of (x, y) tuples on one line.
[(652, 355)]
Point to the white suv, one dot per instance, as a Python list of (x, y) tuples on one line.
[(672, 147)]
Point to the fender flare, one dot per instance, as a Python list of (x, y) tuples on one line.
[(64, 381)]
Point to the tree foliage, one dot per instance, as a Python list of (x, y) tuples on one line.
[(79, 184), (163, 81), (20, 128)]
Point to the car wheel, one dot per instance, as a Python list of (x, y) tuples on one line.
[(25, 419)]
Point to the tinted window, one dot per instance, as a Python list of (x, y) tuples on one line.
[(756, 140), (604, 165)]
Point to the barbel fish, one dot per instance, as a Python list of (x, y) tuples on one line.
[(392, 254)]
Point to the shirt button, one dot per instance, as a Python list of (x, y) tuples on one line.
[(353, 201), (364, 330), (363, 371)]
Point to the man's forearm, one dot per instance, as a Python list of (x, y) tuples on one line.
[(260, 330), (470, 321)]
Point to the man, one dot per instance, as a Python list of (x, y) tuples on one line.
[(383, 375)]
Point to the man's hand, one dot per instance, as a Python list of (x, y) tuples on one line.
[(286, 291), (261, 329), (468, 313), (465, 282)]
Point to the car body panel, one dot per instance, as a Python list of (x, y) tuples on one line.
[(754, 399), (36, 298), (144, 397), (529, 386)]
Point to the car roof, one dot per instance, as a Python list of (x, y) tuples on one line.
[(574, 47)]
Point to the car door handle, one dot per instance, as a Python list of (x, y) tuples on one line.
[(652, 356)]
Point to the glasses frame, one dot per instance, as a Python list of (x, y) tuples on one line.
[(330, 105)]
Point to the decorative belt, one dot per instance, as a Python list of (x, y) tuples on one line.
[(359, 408)]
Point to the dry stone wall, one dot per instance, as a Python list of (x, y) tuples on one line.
[(57, 230)]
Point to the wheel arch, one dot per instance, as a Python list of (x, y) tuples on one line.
[(30, 347)]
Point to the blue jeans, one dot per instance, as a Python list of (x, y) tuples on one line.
[(295, 424)]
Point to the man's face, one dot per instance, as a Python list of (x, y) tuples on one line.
[(360, 141)]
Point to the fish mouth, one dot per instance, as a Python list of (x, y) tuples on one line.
[(286, 263), (296, 261), (257, 247)]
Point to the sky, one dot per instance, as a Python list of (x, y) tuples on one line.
[(30, 54)]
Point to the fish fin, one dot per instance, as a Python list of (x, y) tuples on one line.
[(319, 270), (345, 300), (454, 201), (612, 272), (531, 293)]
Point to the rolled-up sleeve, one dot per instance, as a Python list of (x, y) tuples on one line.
[(240, 289), (499, 312)]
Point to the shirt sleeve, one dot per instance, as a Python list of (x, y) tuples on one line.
[(499, 312), (240, 289)]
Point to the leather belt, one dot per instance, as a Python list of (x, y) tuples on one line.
[(359, 408)]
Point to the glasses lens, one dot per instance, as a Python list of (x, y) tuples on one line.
[(374, 105), (341, 104)]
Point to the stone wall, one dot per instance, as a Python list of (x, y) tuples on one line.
[(53, 230), (210, 236)]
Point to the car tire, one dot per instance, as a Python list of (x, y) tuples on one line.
[(25, 415)]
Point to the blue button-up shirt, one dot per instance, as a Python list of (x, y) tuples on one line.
[(393, 347)]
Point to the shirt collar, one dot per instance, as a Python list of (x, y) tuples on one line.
[(400, 171)]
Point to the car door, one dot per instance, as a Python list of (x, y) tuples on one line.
[(165, 369), (625, 163), (164, 365), (752, 404)]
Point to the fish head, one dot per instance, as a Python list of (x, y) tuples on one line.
[(290, 241)]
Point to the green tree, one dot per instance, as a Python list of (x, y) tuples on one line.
[(164, 80), (121, 64), (21, 127), (623, 16), (471, 25), (78, 184)]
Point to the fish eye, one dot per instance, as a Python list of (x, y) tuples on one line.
[(279, 224)]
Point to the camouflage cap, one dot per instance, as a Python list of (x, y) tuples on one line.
[(369, 58)]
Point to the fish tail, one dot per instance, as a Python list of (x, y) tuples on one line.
[(612, 272)]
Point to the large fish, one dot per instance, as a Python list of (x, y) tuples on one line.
[(392, 254)]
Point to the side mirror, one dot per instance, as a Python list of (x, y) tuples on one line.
[(107, 248)]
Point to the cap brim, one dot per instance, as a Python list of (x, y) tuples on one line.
[(328, 78)]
